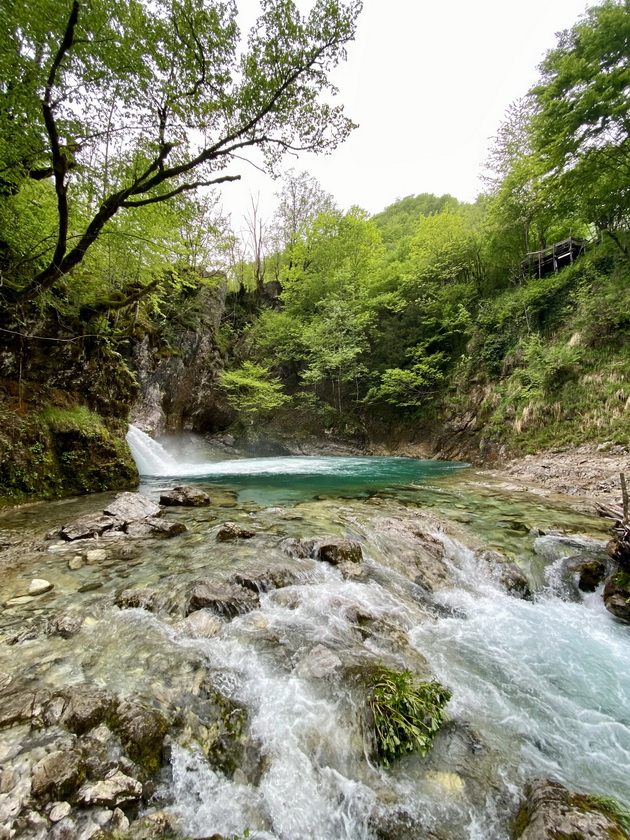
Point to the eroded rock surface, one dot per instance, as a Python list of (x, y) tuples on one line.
[(185, 495)]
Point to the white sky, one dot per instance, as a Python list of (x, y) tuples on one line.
[(428, 81)]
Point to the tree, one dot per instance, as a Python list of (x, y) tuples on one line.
[(301, 199), (251, 389), (581, 128), (123, 104)]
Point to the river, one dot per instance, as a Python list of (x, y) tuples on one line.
[(540, 688)]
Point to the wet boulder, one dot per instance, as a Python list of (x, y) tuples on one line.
[(84, 709), (224, 599), (201, 624), (297, 548), (58, 775), (617, 595), (91, 525), (142, 731), (230, 531), (321, 662), (502, 568), (185, 495), (65, 625), (22, 707), (590, 573), (114, 790), (335, 550), (264, 578), (144, 599), (129, 507), (551, 812), (154, 527)]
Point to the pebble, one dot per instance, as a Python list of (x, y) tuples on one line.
[(75, 562), (59, 810), (39, 586), (21, 599), (88, 587)]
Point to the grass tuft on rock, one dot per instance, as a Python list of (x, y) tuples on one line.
[(407, 714)]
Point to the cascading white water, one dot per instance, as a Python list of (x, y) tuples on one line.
[(150, 457), (543, 685)]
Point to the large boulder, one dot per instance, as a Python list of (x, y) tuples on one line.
[(335, 550), (230, 531), (552, 812), (617, 595), (85, 708), (58, 775), (185, 495), (129, 507), (224, 599), (116, 789), (91, 525), (142, 731)]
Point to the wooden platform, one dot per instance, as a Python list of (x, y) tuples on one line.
[(553, 258)]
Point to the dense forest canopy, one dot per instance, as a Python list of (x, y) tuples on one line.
[(108, 108), (114, 114)]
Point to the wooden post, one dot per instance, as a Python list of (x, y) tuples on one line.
[(624, 496)]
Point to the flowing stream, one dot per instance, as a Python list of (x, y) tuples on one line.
[(541, 687)]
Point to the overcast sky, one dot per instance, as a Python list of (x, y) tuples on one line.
[(428, 81)]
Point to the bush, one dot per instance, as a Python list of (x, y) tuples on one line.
[(407, 714)]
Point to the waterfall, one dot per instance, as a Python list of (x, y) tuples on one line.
[(150, 457)]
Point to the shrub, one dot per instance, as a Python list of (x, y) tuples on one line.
[(407, 714)]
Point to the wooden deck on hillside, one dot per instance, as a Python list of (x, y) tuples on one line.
[(553, 258)]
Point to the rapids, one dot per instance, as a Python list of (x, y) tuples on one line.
[(540, 688)]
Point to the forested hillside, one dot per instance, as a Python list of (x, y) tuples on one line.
[(425, 322)]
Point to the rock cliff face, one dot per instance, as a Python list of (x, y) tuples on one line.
[(64, 400), (179, 390)]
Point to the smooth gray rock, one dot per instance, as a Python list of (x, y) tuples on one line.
[(91, 525), (116, 789), (57, 775), (223, 599), (132, 506), (319, 663), (231, 531), (154, 527), (185, 495), (335, 550), (552, 812)]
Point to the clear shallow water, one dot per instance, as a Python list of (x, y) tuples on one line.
[(540, 689), (285, 480)]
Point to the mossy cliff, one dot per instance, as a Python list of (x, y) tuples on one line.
[(64, 402)]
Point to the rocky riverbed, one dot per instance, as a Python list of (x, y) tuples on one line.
[(200, 670)]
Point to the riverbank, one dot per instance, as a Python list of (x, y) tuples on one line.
[(585, 474)]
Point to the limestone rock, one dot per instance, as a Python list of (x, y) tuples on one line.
[(132, 506), (21, 707), (59, 810), (264, 578), (319, 663), (116, 789), (224, 599), (617, 595), (335, 550), (91, 525), (58, 774), (552, 812), (85, 708), (144, 599), (154, 527), (65, 625), (185, 495), (201, 624), (231, 531), (95, 555), (39, 586), (142, 731), (591, 572)]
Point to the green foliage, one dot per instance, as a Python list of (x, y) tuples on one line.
[(78, 419), (252, 390), (580, 128), (114, 107), (407, 714), (410, 386), (611, 807)]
